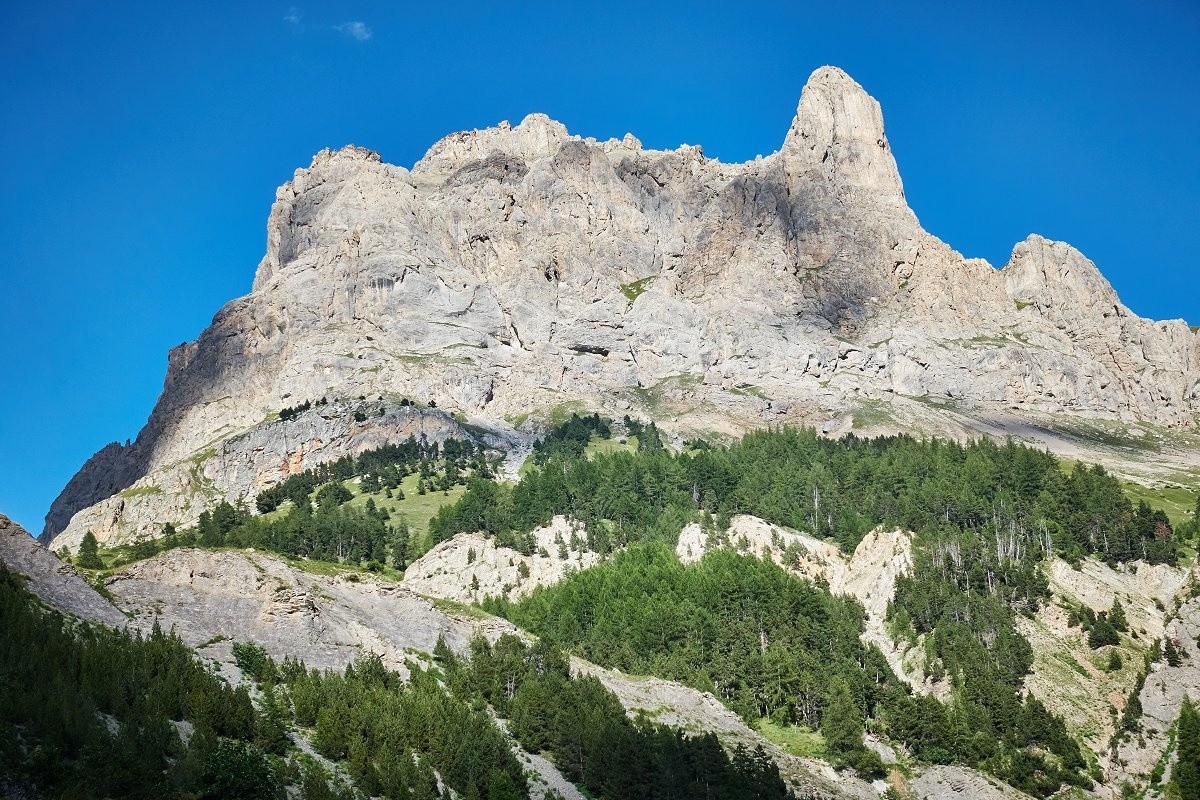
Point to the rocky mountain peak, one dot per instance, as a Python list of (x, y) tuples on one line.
[(1055, 273), (516, 270), (537, 136), (349, 152), (838, 132)]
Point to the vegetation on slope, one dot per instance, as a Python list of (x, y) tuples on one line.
[(392, 736), (364, 511), (583, 728), (780, 651), (838, 490), (86, 711), (767, 644), (985, 517)]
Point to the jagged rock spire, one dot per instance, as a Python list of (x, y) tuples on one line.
[(838, 133)]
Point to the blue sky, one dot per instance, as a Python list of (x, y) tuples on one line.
[(144, 143)]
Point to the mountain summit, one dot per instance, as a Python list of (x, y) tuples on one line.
[(519, 271)]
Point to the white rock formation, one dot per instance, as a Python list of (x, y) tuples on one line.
[(1074, 682), (470, 566), (868, 575), (518, 268)]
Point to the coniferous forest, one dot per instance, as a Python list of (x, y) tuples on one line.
[(775, 648), (89, 712)]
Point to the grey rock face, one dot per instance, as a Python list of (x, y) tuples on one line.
[(56, 583), (1161, 698), (520, 268), (325, 621)]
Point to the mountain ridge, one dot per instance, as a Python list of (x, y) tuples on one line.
[(518, 269)]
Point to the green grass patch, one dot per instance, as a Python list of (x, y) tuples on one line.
[(561, 412), (1070, 661), (140, 491), (334, 569), (751, 391), (871, 414), (201, 483), (1176, 501), (426, 359), (1022, 304), (417, 509), (633, 291), (605, 447), (1112, 435), (654, 398), (797, 740), (454, 607)]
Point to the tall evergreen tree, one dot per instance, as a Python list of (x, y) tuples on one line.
[(1116, 616), (89, 553), (842, 723)]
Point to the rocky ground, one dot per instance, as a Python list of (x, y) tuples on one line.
[(471, 566), (1070, 678), (1161, 698), (56, 583)]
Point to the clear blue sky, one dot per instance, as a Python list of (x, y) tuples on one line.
[(143, 143)]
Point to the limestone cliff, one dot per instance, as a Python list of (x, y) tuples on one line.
[(521, 268)]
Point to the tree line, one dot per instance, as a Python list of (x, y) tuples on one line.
[(383, 468), (1009, 499), (396, 737)]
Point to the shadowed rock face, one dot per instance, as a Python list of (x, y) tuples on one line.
[(518, 268)]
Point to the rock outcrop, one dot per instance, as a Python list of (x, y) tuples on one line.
[(1161, 698), (470, 566), (1073, 680), (868, 575), (56, 583), (520, 268)]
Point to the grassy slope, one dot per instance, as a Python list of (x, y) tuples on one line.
[(1176, 501), (417, 509)]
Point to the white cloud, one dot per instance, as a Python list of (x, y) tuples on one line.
[(356, 30), (294, 16)]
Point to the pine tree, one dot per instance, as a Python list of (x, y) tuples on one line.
[(1171, 653), (1102, 633), (1116, 616), (89, 553), (1186, 772), (842, 722)]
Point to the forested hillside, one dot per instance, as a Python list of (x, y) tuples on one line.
[(89, 712), (985, 517), (777, 649)]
